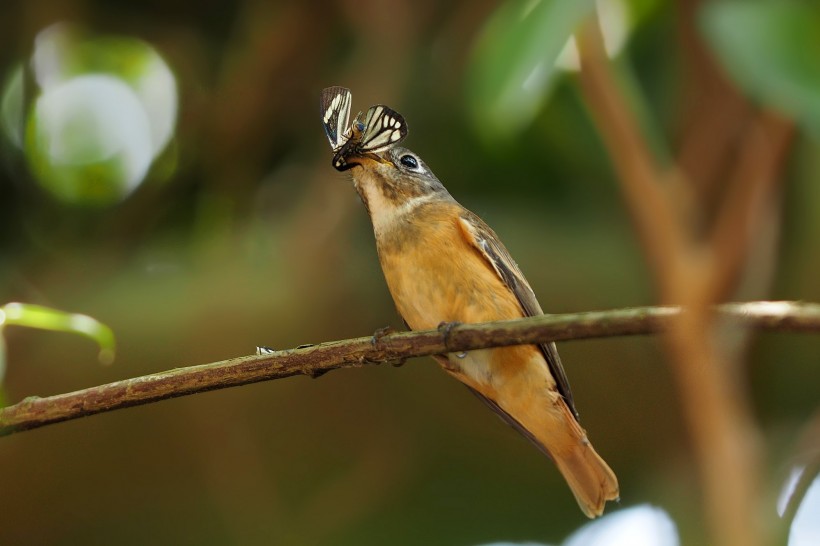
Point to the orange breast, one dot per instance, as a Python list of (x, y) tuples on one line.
[(436, 276)]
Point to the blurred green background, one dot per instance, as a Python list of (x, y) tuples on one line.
[(165, 171)]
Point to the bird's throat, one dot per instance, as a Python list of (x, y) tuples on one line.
[(387, 203)]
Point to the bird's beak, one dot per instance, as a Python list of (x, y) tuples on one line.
[(343, 162)]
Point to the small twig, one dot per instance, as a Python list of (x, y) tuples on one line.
[(34, 412)]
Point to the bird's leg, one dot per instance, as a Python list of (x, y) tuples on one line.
[(446, 328), (377, 337), (380, 333)]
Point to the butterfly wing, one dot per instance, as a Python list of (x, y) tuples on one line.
[(335, 109), (383, 128), (379, 129)]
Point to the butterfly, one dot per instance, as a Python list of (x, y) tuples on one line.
[(335, 104), (380, 129)]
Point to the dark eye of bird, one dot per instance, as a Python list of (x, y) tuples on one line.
[(409, 161)]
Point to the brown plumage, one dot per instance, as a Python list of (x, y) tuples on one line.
[(442, 263)]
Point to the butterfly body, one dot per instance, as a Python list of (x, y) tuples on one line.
[(443, 264)]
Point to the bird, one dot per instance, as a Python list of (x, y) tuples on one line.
[(444, 265)]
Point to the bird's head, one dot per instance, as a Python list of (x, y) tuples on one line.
[(391, 179)]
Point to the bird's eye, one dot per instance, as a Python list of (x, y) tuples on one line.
[(409, 161)]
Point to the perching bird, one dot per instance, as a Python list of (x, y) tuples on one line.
[(444, 265)]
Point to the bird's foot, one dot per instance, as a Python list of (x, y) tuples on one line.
[(446, 329), (380, 333), (377, 337)]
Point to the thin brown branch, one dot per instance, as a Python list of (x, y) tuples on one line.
[(713, 113), (687, 270), (651, 209), (725, 440), (752, 189), (315, 360)]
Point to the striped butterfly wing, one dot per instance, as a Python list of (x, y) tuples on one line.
[(383, 128), (376, 131), (335, 109)]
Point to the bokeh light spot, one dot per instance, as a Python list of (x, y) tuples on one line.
[(638, 526), (89, 139), (102, 111), (805, 527)]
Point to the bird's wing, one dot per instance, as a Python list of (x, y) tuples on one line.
[(484, 239), (505, 416)]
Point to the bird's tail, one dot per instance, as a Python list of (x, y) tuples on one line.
[(554, 430), (550, 425), (589, 477)]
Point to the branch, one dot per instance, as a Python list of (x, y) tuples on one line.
[(751, 190), (315, 360), (655, 218), (693, 272)]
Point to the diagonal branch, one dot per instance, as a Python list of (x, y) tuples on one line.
[(34, 412), (751, 190), (695, 272), (642, 178)]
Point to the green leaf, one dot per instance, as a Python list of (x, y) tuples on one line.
[(513, 64), (771, 49), (45, 318)]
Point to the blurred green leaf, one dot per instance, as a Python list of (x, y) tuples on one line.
[(12, 116), (88, 140), (106, 107), (46, 318), (513, 64), (771, 50), (140, 66), (641, 11)]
